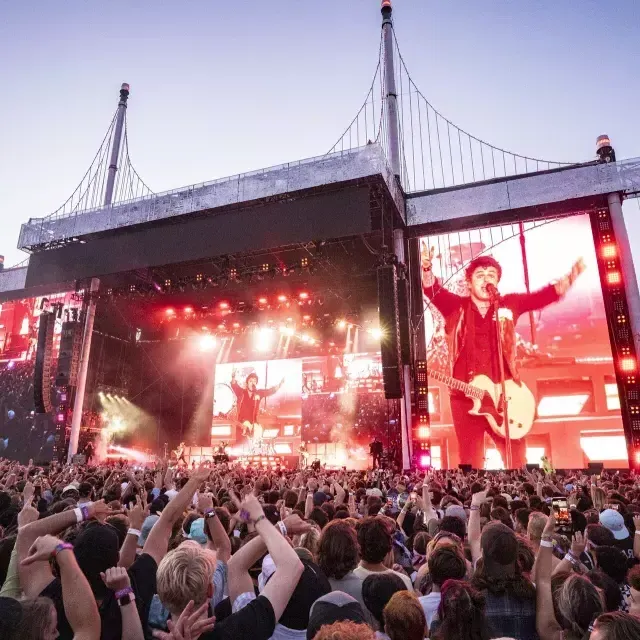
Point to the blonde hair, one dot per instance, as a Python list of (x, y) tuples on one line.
[(537, 523), (599, 498), (185, 574), (311, 542)]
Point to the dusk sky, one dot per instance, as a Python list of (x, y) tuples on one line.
[(220, 88)]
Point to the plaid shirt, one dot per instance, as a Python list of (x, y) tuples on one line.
[(511, 617)]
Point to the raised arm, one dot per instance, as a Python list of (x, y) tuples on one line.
[(79, 604), (444, 301), (158, 541), (288, 566), (239, 580), (35, 576), (546, 623), (474, 532)]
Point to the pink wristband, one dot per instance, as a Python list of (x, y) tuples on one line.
[(61, 547)]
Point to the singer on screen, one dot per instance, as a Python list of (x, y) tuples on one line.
[(472, 336)]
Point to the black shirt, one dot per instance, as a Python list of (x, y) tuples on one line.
[(143, 582), (255, 621)]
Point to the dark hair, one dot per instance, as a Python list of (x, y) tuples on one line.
[(633, 577), (329, 509), (482, 262), (618, 626), (535, 503), (600, 536), (290, 499), (612, 593), (374, 539), (338, 550), (377, 590), (446, 563), (500, 501), (461, 611), (85, 489), (6, 548), (453, 524), (272, 497), (319, 517), (613, 562), (121, 524), (502, 515), (526, 555), (374, 504), (522, 516)]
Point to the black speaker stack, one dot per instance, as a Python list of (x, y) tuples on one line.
[(69, 355), (42, 370)]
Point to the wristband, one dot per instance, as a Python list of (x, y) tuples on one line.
[(134, 532), (210, 513), (85, 512), (569, 557), (474, 507), (79, 516), (123, 592), (259, 519), (244, 515), (546, 543), (638, 532), (61, 547), (283, 527)]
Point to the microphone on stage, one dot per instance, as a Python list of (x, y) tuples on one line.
[(492, 290)]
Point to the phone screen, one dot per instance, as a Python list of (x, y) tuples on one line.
[(561, 509)]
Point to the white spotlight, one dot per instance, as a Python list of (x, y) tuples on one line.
[(207, 342), (376, 333), (287, 331), (263, 338)]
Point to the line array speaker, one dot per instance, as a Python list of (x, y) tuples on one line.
[(389, 325), (42, 370), (69, 355)]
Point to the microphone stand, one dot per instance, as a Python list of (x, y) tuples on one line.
[(503, 404)]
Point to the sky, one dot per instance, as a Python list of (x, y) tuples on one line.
[(221, 88)]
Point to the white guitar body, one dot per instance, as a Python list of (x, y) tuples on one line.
[(521, 405)]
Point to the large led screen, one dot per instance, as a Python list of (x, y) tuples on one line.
[(548, 307)]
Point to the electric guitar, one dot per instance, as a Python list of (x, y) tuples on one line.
[(487, 399)]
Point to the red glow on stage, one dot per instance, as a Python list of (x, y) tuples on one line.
[(614, 277), (282, 298), (637, 457), (224, 305), (262, 301), (425, 461), (170, 312), (303, 295), (609, 251), (236, 325), (628, 364), (188, 309)]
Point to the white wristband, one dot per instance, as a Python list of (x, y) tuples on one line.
[(638, 532), (282, 526), (546, 543), (79, 516), (134, 532)]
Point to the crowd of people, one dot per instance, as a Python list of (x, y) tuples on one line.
[(126, 553)]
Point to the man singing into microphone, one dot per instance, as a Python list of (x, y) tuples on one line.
[(471, 331)]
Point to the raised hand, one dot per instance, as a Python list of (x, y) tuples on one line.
[(296, 525), (190, 625), (116, 578), (27, 515), (41, 549), (578, 544), (427, 266), (205, 502)]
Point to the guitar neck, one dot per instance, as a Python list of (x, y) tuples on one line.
[(458, 385)]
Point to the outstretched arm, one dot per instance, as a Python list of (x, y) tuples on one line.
[(546, 623)]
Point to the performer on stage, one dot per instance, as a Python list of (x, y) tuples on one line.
[(180, 455), (304, 455), (248, 399), (89, 451), (375, 449), (473, 343)]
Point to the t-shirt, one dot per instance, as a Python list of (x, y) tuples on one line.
[(626, 546), (255, 621), (430, 604), (362, 573), (351, 584), (143, 582)]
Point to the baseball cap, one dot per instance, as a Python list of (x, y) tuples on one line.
[(145, 530), (336, 606), (614, 521), (319, 498)]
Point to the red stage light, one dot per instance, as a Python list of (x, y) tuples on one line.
[(628, 364), (303, 295), (224, 305), (236, 325), (614, 277), (637, 457), (425, 461), (169, 312), (307, 318), (221, 326), (262, 301), (190, 310), (609, 251), (282, 298)]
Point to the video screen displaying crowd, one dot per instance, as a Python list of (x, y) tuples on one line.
[(121, 552)]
